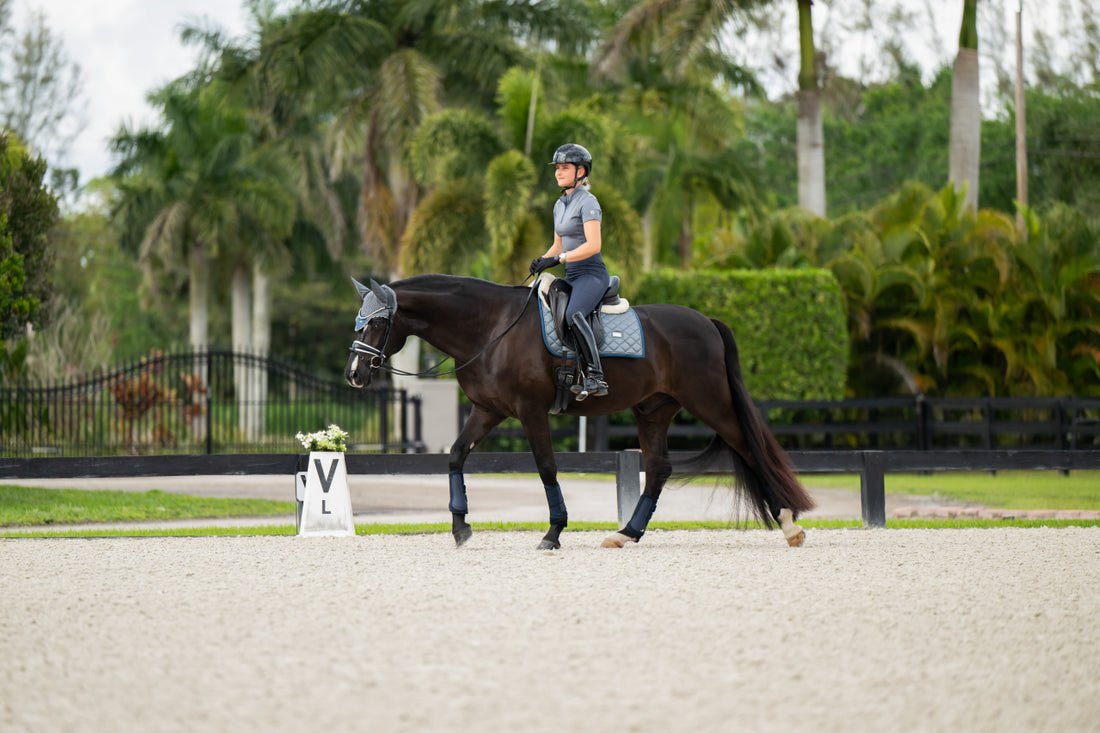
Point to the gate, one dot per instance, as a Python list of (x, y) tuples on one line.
[(201, 402)]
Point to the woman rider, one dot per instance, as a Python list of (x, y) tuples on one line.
[(577, 241)]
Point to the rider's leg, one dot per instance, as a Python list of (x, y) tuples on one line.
[(593, 383), (583, 299)]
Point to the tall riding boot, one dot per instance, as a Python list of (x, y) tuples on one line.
[(593, 383)]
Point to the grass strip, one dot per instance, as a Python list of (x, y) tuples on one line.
[(1021, 490), (23, 506), (538, 528)]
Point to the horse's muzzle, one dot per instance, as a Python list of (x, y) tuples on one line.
[(358, 371)]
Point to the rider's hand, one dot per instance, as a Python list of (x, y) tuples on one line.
[(542, 263)]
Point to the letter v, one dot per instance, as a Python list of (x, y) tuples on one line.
[(326, 481)]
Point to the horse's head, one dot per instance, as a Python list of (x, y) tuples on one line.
[(373, 328)]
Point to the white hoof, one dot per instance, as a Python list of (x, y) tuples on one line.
[(794, 534), (617, 540)]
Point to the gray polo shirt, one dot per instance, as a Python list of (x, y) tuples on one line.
[(571, 211)]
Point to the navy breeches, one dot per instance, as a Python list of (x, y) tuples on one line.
[(587, 291)]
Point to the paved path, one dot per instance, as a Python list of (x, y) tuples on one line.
[(404, 499)]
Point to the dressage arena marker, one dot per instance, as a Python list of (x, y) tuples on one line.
[(324, 502)]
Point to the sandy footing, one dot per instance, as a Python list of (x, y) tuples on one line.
[(979, 629)]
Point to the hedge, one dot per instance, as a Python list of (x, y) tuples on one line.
[(791, 325)]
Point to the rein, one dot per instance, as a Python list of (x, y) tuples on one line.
[(361, 348)]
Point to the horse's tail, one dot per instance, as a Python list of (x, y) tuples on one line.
[(774, 474)]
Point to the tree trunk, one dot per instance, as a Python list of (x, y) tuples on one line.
[(1021, 131), (811, 136), (198, 297), (811, 152), (261, 348), (965, 151), (686, 240), (199, 303), (241, 308)]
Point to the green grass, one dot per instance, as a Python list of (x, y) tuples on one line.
[(1021, 490), (537, 530), (23, 507)]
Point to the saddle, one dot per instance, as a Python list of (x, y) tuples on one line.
[(555, 292)]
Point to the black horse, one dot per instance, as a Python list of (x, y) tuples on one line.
[(691, 363)]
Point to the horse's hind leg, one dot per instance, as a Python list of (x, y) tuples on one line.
[(480, 422), (728, 428), (653, 418)]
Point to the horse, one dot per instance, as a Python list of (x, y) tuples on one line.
[(504, 368)]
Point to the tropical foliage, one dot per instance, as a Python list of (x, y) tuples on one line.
[(945, 300), (392, 137), (27, 212)]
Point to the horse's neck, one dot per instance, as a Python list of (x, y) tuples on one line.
[(458, 323)]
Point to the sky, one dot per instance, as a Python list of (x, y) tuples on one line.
[(127, 48)]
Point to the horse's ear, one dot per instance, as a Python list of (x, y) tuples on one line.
[(391, 297), (360, 288), (377, 290)]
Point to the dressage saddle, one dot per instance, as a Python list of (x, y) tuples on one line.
[(557, 299)]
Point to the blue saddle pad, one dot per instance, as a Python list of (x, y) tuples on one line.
[(622, 334)]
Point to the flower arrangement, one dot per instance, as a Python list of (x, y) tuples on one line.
[(330, 439)]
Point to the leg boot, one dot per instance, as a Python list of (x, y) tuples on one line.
[(593, 383)]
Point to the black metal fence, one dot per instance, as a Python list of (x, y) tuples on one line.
[(200, 402), (894, 423)]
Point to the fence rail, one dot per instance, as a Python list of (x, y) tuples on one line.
[(200, 402), (224, 402), (872, 466), (894, 423)]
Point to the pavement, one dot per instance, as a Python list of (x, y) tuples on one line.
[(493, 498)]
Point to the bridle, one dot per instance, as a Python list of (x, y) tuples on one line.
[(376, 357)]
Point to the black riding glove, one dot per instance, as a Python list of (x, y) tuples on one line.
[(542, 263)]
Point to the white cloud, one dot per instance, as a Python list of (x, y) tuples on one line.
[(125, 48)]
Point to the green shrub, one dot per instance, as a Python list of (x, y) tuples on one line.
[(790, 325)]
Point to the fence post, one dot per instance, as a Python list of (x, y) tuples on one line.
[(209, 401), (924, 440), (628, 484), (872, 489)]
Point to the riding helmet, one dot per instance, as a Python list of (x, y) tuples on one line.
[(573, 153)]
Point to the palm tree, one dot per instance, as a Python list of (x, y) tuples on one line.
[(811, 135), (966, 120), (480, 190), (200, 188), (390, 65), (668, 70)]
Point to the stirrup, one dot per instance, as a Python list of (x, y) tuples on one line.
[(589, 387)]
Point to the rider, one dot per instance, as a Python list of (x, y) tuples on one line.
[(577, 244)]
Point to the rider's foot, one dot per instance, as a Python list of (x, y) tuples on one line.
[(589, 387)]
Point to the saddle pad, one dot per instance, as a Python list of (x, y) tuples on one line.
[(622, 334)]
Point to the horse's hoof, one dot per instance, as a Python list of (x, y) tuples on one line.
[(795, 535), (548, 545), (462, 535), (797, 539), (617, 540)]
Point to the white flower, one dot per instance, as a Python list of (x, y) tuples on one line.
[(330, 439)]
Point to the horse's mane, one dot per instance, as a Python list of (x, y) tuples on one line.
[(453, 284)]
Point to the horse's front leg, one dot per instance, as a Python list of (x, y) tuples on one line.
[(480, 422), (537, 428)]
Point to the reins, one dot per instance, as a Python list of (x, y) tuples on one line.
[(430, 370)]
